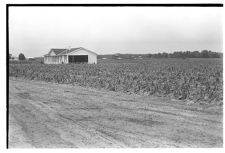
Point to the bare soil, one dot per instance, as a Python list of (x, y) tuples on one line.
[(49, 115)]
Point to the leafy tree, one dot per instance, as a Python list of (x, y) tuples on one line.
[(21, 56), (205, 54)]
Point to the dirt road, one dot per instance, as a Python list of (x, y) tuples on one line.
[(53, 115)]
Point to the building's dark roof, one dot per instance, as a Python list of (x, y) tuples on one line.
[(75, 49), (58, 51), (66, 51)]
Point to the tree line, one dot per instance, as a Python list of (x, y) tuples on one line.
[(20, 57), (187, 54)]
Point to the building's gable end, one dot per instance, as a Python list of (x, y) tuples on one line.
[(83, 50), (91, 52), (52, 53)]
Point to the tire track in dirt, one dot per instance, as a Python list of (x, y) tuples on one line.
[(36, 131), (55, 115)]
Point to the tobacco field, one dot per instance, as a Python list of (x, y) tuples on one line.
[(196, 80)]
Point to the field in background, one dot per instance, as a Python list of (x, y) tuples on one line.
[(195, 80)]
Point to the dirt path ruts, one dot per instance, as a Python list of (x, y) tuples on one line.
[(53, 115)]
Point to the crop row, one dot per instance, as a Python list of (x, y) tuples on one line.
[(196, 80)]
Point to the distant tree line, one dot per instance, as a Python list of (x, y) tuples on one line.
[(187, 54), (20, 57), (176, 54)]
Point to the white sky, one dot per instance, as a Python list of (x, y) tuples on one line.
[(106, 30)]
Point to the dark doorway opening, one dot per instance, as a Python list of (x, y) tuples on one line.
[(78, 59)]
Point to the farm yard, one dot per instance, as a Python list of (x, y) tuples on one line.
[(117, 103)]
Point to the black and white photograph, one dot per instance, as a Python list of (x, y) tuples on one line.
[(114, 75)]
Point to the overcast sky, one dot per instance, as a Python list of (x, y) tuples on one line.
[(106, 30)]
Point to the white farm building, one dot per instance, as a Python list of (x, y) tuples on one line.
[(73, 55)]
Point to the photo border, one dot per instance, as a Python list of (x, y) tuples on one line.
[(80, 5)]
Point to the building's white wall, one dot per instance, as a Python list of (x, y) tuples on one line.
[(55, 59), (64, 59), (92, 58), (47, 60)]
